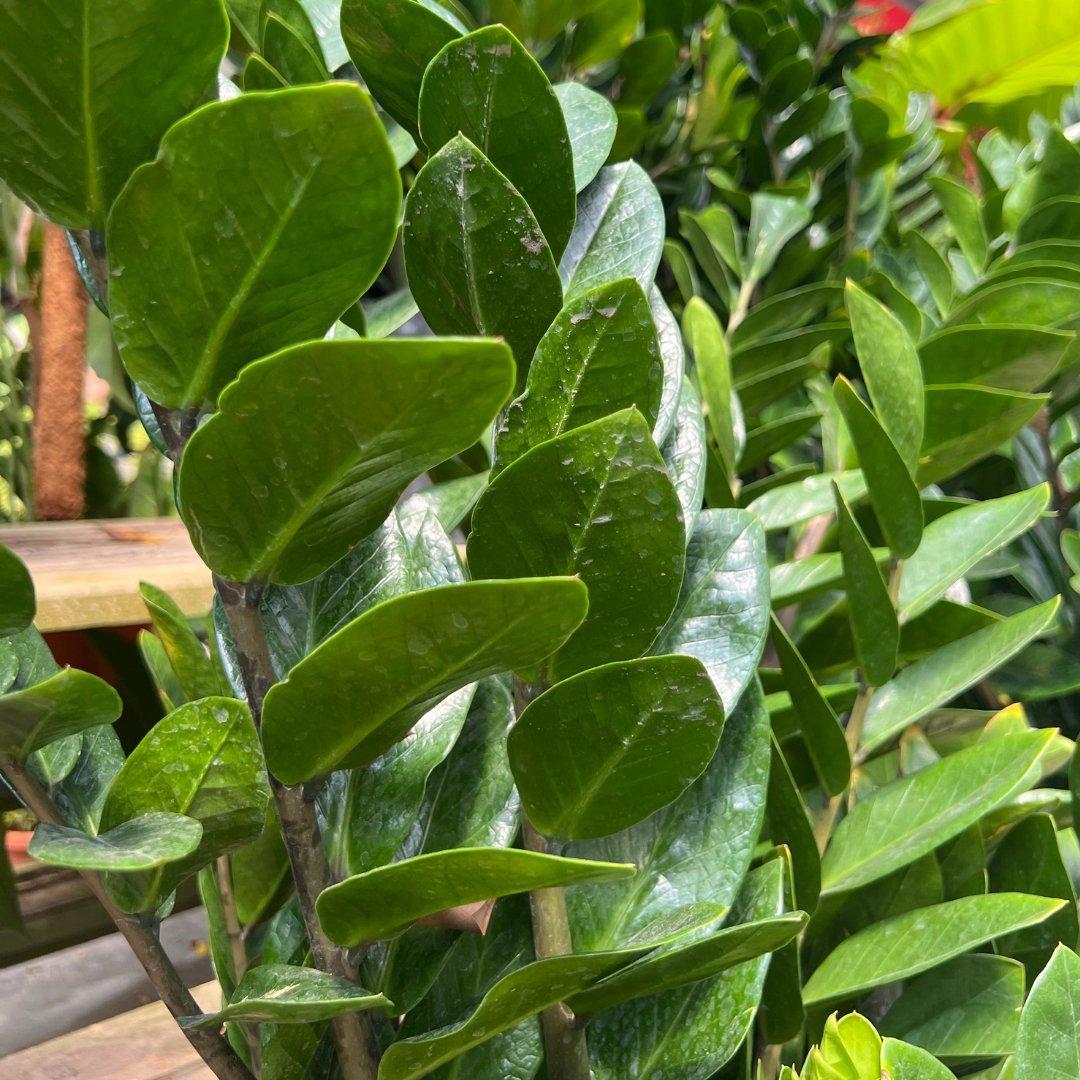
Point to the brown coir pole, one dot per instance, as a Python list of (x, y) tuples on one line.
[(59, 358)]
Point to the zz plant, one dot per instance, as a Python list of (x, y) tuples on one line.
[(516, 748)]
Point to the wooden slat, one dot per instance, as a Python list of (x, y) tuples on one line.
[(144, 1044), (87, 573)]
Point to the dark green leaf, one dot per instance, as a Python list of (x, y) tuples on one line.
[(283, 994), (297, 60), (613, 517), (874, 626), (911, 817), (893, 493), (63, 704), (388, 899), (202, 761), (195, 669), (143, 843), (486, 87), (403, 657), (391, 42), (89, 97), (787, 822), (473, 249), (619, 231), (17, 604), (81, 794), (769, 439), (918, 940), (204, 278), (722, 616), (266, 501), (674, 357), (260, 872), (606, 748), (1007, 357), (600, 355), (705, 339), (685, 454), (961, 206), (938, 678), (590, 123), (1049, 1040)]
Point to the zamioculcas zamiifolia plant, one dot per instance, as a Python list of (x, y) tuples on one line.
[(611, 673)]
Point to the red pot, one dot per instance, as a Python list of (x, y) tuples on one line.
[(16, 843)]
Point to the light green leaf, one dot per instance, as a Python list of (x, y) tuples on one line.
[(705, 339), (893, 492), (1007, 357), (600, 355), (88, 97), (63, 704), (401, 658), (590, 123), (906, 1062), (486, 87), (265, 500), (955, 543), (793, 582), (202, 761), (290, 47), (774, 220), (204, 278), (606, 748), (473, 249), (194, 668), (1048, 1045), (674, 357), (938, 678), (961, 206), (143, 843), (874, 626), (17, 604), (722, 615), (391, 42), (619, 231), (613, 518), (969, 1008), (803, 499), (451, 501), (911, 817), (325, 16), (283, 994), (890, 368), (918, 940), (384, 901), (685, 455)]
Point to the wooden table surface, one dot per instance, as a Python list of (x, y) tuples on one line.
[(144, 1044), (87, 573)]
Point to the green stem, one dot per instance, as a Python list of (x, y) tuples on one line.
[(141, 937)]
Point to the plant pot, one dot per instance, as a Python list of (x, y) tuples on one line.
[(16, 843)]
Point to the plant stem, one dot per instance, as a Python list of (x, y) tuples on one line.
[(357, 1046), (851, 221), (742, 305), (565, 1045), (140, 936)]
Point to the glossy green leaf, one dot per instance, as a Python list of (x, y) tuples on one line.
[(893, 492), (722, 615), (266, 501), (918, 940), (794, 503), (673, 356), (824, 738), (63, 704), (685, 454), (403, 657), (590, 123), (81, 794), (774, 220), (202, 761), (289, 51), (388, 899), (143, 843), (600, 355), (969, 1008), (906, 1062), (619, 231), (391, 42), (17, 604), (890, 368), (193, 666), (911, 817), (787, 822), (473, 249), (88, 96), (956, 543), (604, 749), (874, 626), (613, 517), (1049, 1040), (261, 875), (938, 678), (1007, 357), (719, 817), (965, 424), (452, 500), (769, 439), (486, 87), (283, 994), (705, 339), (204, 278)]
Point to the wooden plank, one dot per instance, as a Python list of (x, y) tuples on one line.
[(87, 573), (144, 1044)]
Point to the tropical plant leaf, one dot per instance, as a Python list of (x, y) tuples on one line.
[(17, 603), (1048, 1043), (143, 843), (590, 123)]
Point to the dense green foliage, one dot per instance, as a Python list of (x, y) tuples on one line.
[(694, 612)]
